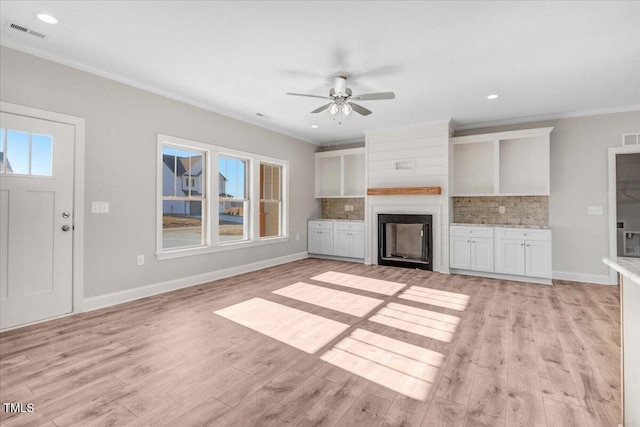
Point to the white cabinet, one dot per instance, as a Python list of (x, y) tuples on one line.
[(471, 248), (349, 239), (340, 173), (523, 252), (336, 238), (320, 237), (501, 163)]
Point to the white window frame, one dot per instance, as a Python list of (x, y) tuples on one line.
[(211, 226)]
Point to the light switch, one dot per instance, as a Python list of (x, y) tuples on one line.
[(594, 210), (100, 207), (502, 209)]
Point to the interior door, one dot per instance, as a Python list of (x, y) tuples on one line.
[(36, 219)]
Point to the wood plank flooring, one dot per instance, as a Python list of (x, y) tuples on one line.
[(485, 353)]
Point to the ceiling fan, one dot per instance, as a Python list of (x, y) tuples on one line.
[(342, 99)]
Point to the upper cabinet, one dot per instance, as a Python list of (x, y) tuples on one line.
[(515, 163), (340, 173)]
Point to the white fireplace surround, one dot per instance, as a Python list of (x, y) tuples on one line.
[(394, 205)]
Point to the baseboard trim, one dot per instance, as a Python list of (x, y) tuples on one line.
[(107, 300), (500, 276), (600, 279)]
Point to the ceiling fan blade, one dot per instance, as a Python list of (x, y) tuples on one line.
[(359, 109), (324, 107), (374, 96), (309, 96)]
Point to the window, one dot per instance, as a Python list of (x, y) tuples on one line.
[(270, 200), (249, 207), (183, 202), (234, 201)]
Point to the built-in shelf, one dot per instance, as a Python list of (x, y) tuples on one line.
[(340, 173), (404, 191), (502, 163)]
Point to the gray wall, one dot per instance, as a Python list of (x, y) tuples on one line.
[(579, 178), (120, 167)]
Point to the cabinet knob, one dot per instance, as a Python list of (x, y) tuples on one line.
[(521, 244)]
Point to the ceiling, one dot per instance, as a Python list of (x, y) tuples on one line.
[(441, 59)]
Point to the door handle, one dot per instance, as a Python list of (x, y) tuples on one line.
[(66, 215), (66, 227)]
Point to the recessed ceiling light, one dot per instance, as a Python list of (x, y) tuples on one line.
[(314, 126), (493, 96), (45, 17)]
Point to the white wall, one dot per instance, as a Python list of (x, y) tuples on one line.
[(121, 127), (579, 179), (426, 148)]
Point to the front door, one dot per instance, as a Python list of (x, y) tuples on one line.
[(36, 219)]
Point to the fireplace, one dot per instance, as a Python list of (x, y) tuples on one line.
[(405, 241)]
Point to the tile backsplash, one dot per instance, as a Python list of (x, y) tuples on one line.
[(519, 210), (334, 208)]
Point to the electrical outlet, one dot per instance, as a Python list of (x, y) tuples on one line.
[(350, 208), (140, 260), (297, 237), (502, 209), (346, 208)]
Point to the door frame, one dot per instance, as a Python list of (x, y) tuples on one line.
[(613, 210), (78, 194)]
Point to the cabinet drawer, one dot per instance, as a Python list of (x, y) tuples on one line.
[(349, 226), (523, 234), (320, 225), (466, 231)]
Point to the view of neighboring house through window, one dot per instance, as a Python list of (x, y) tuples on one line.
[(233, 211), (183, 197), (270, 200)]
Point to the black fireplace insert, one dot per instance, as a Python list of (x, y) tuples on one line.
[(405, 241)]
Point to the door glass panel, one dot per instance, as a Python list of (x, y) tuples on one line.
[(41, 154), (17, 152)]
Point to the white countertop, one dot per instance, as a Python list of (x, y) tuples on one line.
[(540, 227), (627, 266), (336, 220)]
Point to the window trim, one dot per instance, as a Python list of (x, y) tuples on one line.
[(212, 243)]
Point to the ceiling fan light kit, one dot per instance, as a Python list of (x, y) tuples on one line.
[(341, 98)]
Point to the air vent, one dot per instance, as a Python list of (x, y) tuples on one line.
[(18, 27), (37, 34), (631, 139), (24, 29)]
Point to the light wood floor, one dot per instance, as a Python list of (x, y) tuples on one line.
[(521, 355)]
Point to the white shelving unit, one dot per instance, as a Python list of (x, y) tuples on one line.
[(515, 163), (340, 173)]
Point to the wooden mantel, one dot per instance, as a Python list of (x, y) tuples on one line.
[(397, 191)]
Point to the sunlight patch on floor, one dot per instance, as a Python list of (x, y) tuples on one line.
[(436, 297), (344, 302), (297, 328), (439, 331), (399, 366), (383, 287)]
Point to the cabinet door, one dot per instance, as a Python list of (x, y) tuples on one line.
[(357, 244), (342, 243), (510, 257), (482, 254), (313, 241), (460, 252), (326, 242), (538, 259)]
